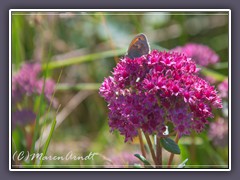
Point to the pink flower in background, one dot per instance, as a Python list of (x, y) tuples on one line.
[(23, 117), (218, 132), (148, 91), (24, 82), (48, 89), (201, 54), (27, 82), (223, 89), (122, 160)]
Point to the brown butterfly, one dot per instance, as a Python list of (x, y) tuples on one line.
[(138, 47)]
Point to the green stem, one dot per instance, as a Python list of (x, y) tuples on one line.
[(36, 128), (77, 87), (82, 59), (141, 143), (48, 141), (172, 155), (159, 153), (151, 148), (50, 106)]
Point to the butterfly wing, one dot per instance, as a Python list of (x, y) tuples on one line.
[(138, 47)]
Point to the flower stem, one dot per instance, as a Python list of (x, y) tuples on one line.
[(141, 143), (172, 155), (159, 153), (151, 148)]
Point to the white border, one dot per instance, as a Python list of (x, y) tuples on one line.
[(118, 10)]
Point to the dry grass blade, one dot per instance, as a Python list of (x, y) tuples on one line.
[(72, 104)]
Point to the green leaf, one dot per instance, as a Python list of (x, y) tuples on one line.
[(182, 165), (48, 140), (40, 105), (145, 162), (137, 166), (170, 145), (208, 72), (222, 65)]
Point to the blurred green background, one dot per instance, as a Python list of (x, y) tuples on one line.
[(85, 46)]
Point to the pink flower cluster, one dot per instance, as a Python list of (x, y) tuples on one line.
[(122, 160), (26, 82), (23, 117), (201, 54), (154, 89), (223, 89), (218, 132)]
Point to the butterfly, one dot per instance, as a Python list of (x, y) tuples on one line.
[(138, 47)]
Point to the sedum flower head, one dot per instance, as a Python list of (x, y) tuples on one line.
[(201, 54), (150, 91)]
